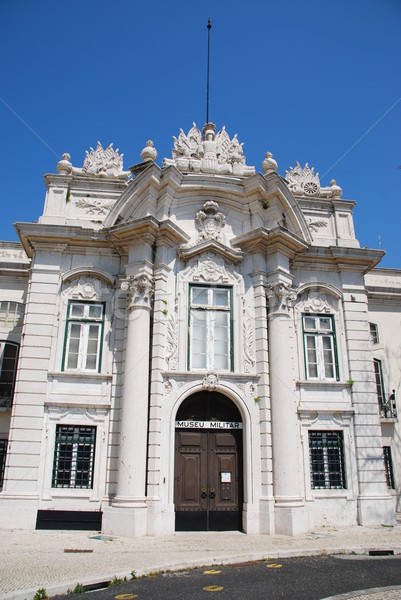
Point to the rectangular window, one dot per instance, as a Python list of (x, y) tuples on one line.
[(327, 459), (320, 347), (11, 314), (374, 333), (210, 329), (74, 456), (377, 365), (388, 467), (84, 332), (3, 454), (8, 369)]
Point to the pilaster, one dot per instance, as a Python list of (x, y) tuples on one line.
[(375, 505), (290, 513)]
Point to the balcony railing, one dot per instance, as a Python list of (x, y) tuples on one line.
[(388, 408)]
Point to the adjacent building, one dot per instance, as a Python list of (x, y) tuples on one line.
[(196, 346)]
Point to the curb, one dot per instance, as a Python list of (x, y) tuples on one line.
[(102, 581)]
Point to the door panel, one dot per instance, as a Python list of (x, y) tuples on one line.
[(208, 486)]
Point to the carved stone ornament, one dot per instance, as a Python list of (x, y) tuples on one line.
[(100, 163), (209, 222), (211, 381), (280, 296), (139, 289), (86, 288), (93, 206), (316, 225), (172, 339), (249, 340), (305, 182), (209, 153), (317, 302)]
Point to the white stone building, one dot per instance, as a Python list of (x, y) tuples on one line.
[(195, 351)]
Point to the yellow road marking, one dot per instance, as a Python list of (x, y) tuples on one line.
[(212, 572), (274, 566), (213, 588), (126, 596)]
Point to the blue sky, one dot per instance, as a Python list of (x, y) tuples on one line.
[(310, 81)]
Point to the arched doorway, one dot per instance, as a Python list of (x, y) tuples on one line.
[(208, 482)]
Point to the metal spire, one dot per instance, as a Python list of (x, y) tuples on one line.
[(209, 26)]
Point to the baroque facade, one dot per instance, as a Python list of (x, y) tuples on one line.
[(196, 347)]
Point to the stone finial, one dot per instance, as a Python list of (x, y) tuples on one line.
[(269, 165), (64, 167), (305, 182), (103, 162), (149, 152), (336, 190), (209, 153)]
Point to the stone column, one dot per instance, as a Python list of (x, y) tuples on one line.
[(290, 513), (130, 515)]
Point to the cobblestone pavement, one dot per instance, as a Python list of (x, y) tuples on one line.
[(390, 593), (58, 560)]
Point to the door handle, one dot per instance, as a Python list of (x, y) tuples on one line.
[(203, 494), (212, 492)]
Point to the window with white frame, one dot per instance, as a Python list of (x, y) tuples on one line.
[(74, 456), (388, 467), (83, 338), (210, 328), (8, 367), (3, 454), (326, 452), (374, 333), (320, 347), (11, 313)]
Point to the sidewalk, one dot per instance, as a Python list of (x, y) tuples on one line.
[(58, 560)]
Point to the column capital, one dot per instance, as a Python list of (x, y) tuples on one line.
[(280, 296), (139, 289)]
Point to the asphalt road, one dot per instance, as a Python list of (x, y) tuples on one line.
[(309, 578)]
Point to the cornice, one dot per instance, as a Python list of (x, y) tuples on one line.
[(33, 235), (211, 245), (340, 258), (270, 240)]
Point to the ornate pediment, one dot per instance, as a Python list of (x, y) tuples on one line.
[(210, 268), (209, 152), (305, 182), (316, 300), (86, 288)]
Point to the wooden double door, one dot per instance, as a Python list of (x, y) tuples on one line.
[(208, 475)]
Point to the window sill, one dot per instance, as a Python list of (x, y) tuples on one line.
[(78, 375), (325, 382), (328, 494)]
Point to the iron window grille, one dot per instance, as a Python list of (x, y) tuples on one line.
[(3, 454), (326, 451), (388, 467), (11, 313), (374, 333), (74, 457), (8, 368), (320, 347), (83, 338), (210, 329)]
